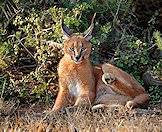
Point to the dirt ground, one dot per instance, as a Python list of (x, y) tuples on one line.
[(38, 118)]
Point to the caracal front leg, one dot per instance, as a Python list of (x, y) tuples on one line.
[(86, 97), (63, 97)]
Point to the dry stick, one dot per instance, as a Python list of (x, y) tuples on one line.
[(5, 13), (3, 88), (10, 12), (43, 30), (28, 66), (25, 48), (117, 11), (114, 20), (151, 47), (12, 112), (70, 121), (115, 15), (46, 115), (53, 44), (118, 47), (10, 15), (9, 9), (9, 19), (15, 10)]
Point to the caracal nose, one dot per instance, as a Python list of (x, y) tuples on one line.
[(77, 57)]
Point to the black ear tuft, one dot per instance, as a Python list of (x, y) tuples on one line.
[(88, 33), (66, 31)]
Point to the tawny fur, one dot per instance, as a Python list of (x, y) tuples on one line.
[(124, 90), (71, 73), (82, 83)]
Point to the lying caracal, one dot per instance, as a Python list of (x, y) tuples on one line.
[(81, 83)]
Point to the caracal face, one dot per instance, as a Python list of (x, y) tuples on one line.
[(77, 48)]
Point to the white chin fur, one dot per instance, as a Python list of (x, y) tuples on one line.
[(78, 62)]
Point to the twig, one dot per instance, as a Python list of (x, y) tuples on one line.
[(10, 36), (119, 45), (5, 13), (46, 115), (3, 88), (9, 9), (15, 108), (26, 48), (151, 47), (43, 30), (117, 11), (15, 10), (53, 44), (70, 121), (27, 66)]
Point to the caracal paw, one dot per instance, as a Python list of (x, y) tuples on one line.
[(129, 105), (56, 109), (108, 78), (82, 101)]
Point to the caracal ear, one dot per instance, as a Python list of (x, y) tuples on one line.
[(88, 33), (66, 31)]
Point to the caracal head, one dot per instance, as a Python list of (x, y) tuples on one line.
[(77, 46)]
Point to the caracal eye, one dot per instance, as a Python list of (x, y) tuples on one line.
[(83, 49), (71, 49)]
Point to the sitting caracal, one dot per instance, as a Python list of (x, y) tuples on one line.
[(82, 83)]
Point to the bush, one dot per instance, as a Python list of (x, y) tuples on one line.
[(29, 64)]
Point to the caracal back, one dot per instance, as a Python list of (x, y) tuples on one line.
[(115, 86)]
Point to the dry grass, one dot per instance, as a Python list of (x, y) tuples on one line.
[(38, 119)]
